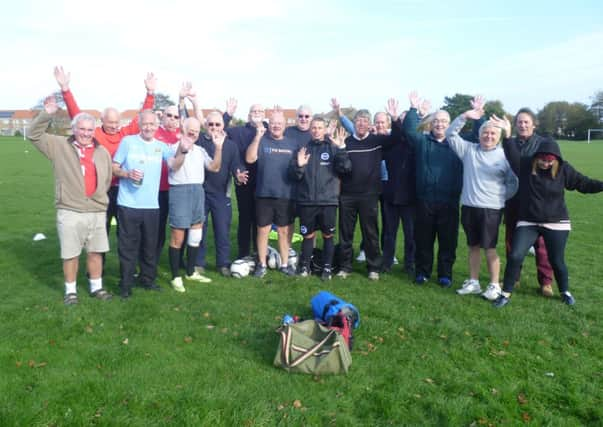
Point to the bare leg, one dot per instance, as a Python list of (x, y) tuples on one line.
[(474, 262), (70, 267), (493, 261), (262, 242), (94, 263)]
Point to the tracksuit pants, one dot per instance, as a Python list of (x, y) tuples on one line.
[(220, 208)]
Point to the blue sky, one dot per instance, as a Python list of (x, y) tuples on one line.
[(524, 53)]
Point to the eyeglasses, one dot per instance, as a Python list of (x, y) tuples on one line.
[(210, 124), (172, 116), (303, 116)]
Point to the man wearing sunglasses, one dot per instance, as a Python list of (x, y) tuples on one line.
[(168, 133), (217, 193), (301, 131)]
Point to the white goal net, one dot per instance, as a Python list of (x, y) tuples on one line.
[(595, 132)]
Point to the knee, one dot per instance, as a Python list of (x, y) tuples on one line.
[(195, 235)]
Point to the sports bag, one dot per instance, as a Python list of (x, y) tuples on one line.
[(311, 348)]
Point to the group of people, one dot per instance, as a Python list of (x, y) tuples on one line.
[(418, 166)]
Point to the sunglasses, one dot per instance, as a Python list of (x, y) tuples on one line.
[(172, 116), (304, 116), (210, 124)]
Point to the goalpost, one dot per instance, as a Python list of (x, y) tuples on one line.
[(593, 130)]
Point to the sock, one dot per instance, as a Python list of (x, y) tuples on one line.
[(307, 248), (192, 252), (327, 252), (70, 288), (96, 284), (175, 261)]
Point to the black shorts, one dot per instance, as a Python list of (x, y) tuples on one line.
[(269, 211), (481, 226), (312, 218)]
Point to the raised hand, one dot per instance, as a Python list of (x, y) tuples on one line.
[(218, 138), (62, 78), (186, 90), (50, 104), (392, 108), (414, 99), (503, 123), (186, 143), (260, 130), (478, 102), (336, 106), (303, 157), (242, 177), (338, 137), (231, 106), (150, 83), (331, 127), (477, 110), (424, 108)]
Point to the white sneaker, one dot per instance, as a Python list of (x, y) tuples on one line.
[(373, 275), (470, 286), (177, 284), (342, 274), (198, 278), (492, 291), (361, 257), (396, 262)]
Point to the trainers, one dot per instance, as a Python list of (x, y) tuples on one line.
[(304, 271), (225, 271), (197, 277), (342, 274), (198, 269), (151, 287), (361, 257), (287, 270), (177, 284), (501, 301), (396, 262), (421, 279), (567, 298), (326, 274), (470, 286), (547, 290), (492, 292), (373, 275), (260, 271), (445, 282)]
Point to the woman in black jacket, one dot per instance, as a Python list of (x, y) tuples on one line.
[(543, 179)]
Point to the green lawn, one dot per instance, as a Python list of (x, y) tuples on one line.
[(423, 355)]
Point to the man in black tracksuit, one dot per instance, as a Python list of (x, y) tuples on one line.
[(360, 195), (316, 167)]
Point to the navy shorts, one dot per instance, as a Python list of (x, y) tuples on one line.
[(481, 226), (280, 212), (312, 218)]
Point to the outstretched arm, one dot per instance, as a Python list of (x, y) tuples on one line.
[(63, 78), (251, 156), (150, 83), (37, 130)]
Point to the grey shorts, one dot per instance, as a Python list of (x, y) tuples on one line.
[(187, 205), (79, 230)]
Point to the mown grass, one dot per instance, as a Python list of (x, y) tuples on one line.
[(423, 355)]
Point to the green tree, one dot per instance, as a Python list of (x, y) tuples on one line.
[(162, 101), (564, 120), (597, 105)]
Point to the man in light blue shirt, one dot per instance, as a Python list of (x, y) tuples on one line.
[(137, 163)]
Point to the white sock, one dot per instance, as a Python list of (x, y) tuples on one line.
[(70, 288), (96, 284)]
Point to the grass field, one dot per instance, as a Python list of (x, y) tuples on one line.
[(423, 355)]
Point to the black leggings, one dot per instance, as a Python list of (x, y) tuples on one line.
[(523, 238)]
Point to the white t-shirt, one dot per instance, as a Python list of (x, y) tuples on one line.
[(192, 170)]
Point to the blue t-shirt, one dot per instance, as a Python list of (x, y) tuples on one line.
[(147, 156)]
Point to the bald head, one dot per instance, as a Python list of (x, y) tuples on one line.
[(277, 124), (110, 120), (170, 118), (191, 127)]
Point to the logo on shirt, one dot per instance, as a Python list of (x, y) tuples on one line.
[(303, 229), (324, 156)]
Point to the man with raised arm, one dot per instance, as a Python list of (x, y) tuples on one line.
[(82, 172), (138, 162), (275, 191), (301, 131), (110, 133)]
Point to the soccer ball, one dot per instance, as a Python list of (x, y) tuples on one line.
[(273, 260), (239, 268), (292, 260)]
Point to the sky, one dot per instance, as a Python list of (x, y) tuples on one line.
[(523, 53)]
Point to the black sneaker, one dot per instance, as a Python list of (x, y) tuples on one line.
[(225, 271), (260, 271), (567, 298), (287, 270), (501, 301), (125, 293), (326, 274), (304, 271), (151, 287)]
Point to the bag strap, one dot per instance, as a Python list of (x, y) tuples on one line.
[(286, 348)]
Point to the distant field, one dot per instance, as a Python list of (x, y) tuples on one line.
[(423, 355)]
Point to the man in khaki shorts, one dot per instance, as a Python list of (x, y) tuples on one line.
[(83, 172)]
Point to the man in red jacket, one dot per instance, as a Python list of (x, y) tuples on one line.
[(110, 133)]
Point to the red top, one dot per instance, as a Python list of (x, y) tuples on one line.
[(110, 142), (86, 155), (164, 135)]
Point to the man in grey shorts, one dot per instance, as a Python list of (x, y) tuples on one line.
[(187, 199), (82, 171)]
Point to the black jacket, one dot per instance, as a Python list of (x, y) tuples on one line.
[(399, 189), (318, 181), (541, 197)]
